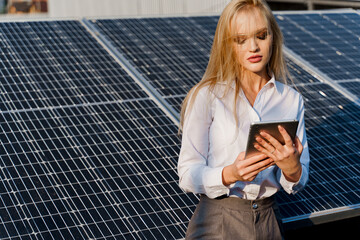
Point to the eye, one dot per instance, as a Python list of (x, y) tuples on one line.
[(262, 36), (239, 40)]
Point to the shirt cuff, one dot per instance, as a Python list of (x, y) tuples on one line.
[(294, 187), (212, 180)]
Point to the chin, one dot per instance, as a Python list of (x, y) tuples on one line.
[(256, 70)]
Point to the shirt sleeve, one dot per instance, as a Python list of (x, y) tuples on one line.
[(294, 187), (194, 173)]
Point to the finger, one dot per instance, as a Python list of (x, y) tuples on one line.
[(252, 175), (266, 166), (266, 145), (253, 159), (265, 151), (286, 136), (256, 166), (272, 140), (298, 145)]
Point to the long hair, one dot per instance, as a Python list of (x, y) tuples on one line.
[(223, 66)]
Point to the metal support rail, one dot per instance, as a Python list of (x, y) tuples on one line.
[(134, 73), (323, 77)]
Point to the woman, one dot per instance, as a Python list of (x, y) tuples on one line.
[(241, 85)]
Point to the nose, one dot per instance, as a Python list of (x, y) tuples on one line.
[(253, 45)]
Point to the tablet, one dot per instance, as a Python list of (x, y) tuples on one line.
[(270, 127)]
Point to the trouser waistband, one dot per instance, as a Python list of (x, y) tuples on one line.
[(236, 203)]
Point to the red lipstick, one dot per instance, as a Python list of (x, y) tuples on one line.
[(255, 58)]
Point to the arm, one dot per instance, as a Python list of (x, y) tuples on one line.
[(194, 173)]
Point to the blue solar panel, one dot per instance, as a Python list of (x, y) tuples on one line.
[(85, 153), (47, 64), (328, 41), (104, 171), (170, 53)]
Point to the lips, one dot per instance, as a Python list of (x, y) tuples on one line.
[(255, 58)]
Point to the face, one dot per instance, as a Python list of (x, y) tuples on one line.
[(252, 41)]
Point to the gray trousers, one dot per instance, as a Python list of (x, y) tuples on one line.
[(235, 218)]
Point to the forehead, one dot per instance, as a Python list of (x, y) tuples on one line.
[(249, 21)]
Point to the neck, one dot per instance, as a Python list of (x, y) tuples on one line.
[(253, 82)]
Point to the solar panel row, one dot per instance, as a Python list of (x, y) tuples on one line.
[(91, 172), (49, 64), (328, 41), (86, 153), (164, 51)]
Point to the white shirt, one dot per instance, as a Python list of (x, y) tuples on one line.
[(211, 140)]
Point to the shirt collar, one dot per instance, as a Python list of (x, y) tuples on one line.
[(271, 83)]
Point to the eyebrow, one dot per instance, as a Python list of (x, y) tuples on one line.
[(256, 32)]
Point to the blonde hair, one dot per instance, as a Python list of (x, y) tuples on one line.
[(221, 67)]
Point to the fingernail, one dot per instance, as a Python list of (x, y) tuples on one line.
[(262, 133), (280, 127)]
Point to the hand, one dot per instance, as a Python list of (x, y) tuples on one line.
[(245, 169), (286, 157)]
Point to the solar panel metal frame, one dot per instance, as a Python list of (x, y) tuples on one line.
[(321, 75)]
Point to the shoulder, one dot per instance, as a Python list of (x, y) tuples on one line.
[(207, 93), (288, 91), (291, 95)]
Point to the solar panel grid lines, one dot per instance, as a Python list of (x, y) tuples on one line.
[(329, 41), (157, 42), (314, 31), (136, 76), (34, 52), (71, 82), (175, 101), (75, 147), (30, 179), (66, 172), (317, 74)]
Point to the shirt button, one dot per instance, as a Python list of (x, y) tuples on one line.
[(254, 206)]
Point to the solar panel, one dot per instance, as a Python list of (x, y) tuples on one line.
[(324, 107), (85, 153), (47, 64), (327, 40), (170, 53)]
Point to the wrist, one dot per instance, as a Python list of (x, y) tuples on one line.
[(227, 175), (294, 174)]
